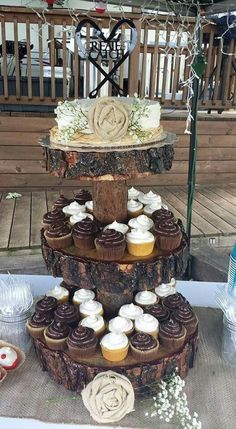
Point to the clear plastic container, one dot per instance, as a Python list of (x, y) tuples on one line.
[(229, 342), (13, 330)]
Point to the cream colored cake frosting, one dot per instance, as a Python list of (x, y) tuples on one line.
[(91, 307), (166, 289), (130, 311), (79, 216), (146, 323), (134, 206), (149, 198), (133, 193), (117, 226), (145, 297), (141, 222), (73, 208), (120, 324), (105, 119), (82, 295), (96, 322), (114, 340), (58, 292), (139, 236)]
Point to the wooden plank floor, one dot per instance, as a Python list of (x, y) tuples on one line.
[(213, 219)]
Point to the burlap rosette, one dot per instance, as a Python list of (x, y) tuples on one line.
[(109, 119), (109, 397)]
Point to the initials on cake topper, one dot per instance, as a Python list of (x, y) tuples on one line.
[(98, 46)]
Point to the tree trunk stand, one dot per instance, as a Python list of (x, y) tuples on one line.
[(110, 201)]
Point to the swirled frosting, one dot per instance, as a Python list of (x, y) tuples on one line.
[(46, 305), (162, 214), (40, 320), (110, 238), (174, 301), (82, 337), (91, 307), (85, 228), (143, 341), (53, 216), (58, 292), (120, 324), (167, 228), (8, 357), (121, 227), (146, 323), (89, 205), (184, 314), (139, 236), (83, 196), (134, 206), (94, 322), (165, 289), (133, 193), (58, 229), (145, 297), (57, 330), (66, 313), (114, 341), (82, 295), (150, 208), (130, 311), (61, 202), (73, 208), (159, 312), (142, 222), (172, 329), (149, 198), (78, 217)]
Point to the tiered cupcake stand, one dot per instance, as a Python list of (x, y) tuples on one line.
[(115, 283)]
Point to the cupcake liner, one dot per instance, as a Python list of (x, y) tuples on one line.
[(3, 374), (59, 242)]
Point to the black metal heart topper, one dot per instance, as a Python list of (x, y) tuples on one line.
[(99, 46)]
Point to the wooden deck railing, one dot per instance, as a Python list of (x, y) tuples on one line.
[(152, 70)]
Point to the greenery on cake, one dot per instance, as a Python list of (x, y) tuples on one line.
[(138, 112)]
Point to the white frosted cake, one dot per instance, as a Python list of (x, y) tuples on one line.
[(106, 120)]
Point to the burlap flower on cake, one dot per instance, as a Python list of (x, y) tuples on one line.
[(108, 118), (109, 397)]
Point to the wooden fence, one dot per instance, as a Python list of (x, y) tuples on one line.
[(156, 68)]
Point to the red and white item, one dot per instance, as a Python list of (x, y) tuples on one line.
[(8, 358)]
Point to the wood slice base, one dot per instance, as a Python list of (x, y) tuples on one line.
[(76, 375)]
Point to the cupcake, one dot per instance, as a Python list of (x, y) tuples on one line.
[(134, 208), (82, 295), (110, 245), (185, 315), (168, 235), (166, 289), (130, 311), (147, 323), (141, 222), (58, 235), (144, 347), (114, 346), (73, 208), (151, 208), (172, 335), (78, 217), (82, 342), (46, 305), (149, 198), (83, 196), (89, 206), (121, 325), (52, 217), (96, 323), (37, 324), (158, 311), (91, 308), (145, 298), (172, 302), (67, 313), (61, 202), (60, 293), (162, 214), (120, 227), (84, 234), (56, 335), (8, 358), (133, 193), (139, 242)]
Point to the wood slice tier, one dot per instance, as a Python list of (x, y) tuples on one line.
[(76, 375)]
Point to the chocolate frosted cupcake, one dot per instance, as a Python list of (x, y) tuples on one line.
[(84, 234), (59, 235), (186, 316), (144, 347), (67, 313), (168, 235), (55, 335), (162, 314), (172, 302), (37, 324), (61, 202), (46, 305), (110, 245), (53, 216), (82, 342), (162, 214), (172, 335), (83, 196)]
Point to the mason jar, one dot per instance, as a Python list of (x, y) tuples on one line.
[(229, 342), (13, 330)]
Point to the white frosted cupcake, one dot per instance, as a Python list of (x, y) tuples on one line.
[(95, 322), (130, 311), (135, 208), (133, 193), (120, 227), (166, 289), (141, 222), (140, 242), (83, 295), (79, 216), (89, 206), (60, 293), (73, 208), (91, 308), (150, 208), (148, 324), (149, 198), (114, 346), (121, 324), (145, 298)]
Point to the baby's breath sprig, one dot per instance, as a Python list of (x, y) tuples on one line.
[(79, 122), (138, 112)]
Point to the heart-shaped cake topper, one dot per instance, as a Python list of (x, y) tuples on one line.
[(99, 47)]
